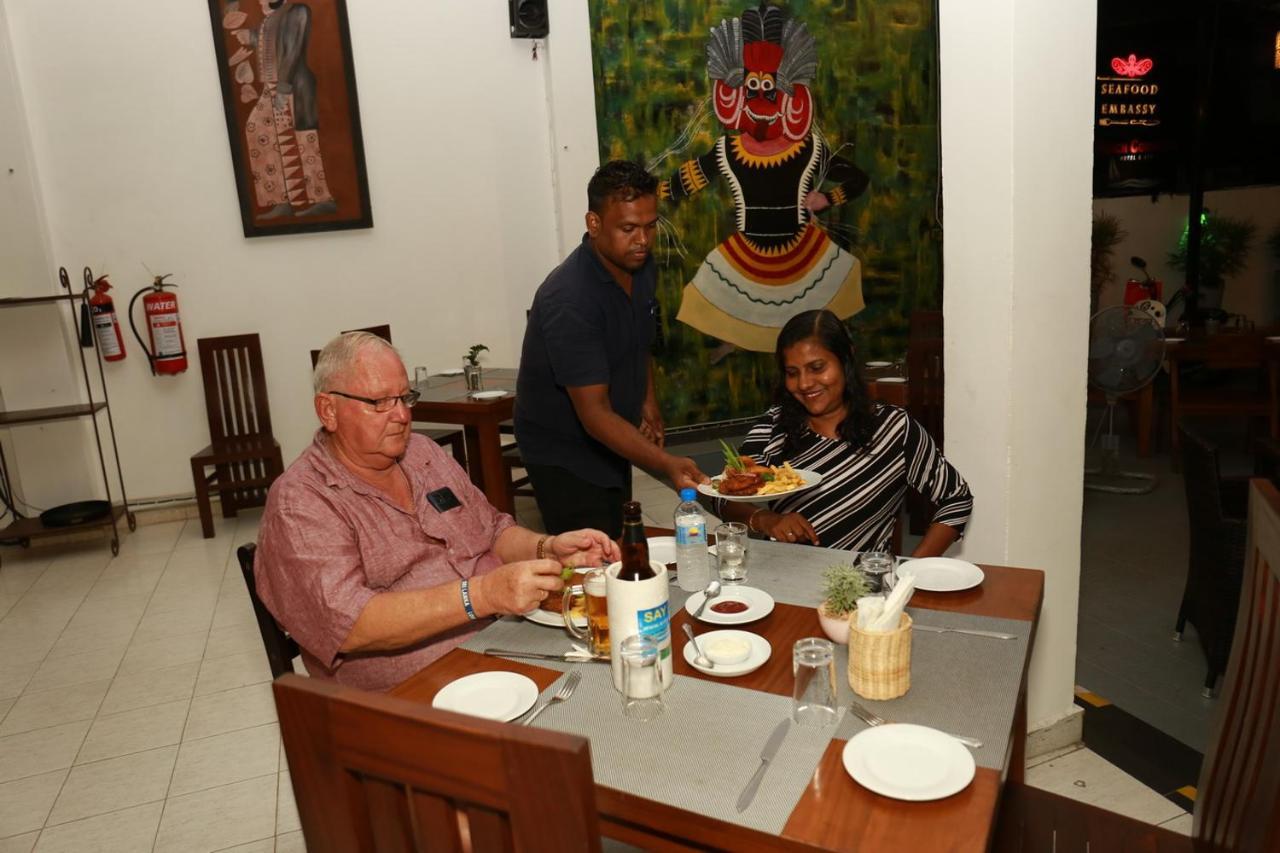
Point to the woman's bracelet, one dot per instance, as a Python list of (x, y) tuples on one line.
[(751, 522)]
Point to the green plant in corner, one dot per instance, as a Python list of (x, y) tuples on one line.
[(473, 355), (842, 586), (1107, 234), (1224, 250)]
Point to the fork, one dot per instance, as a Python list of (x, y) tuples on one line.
[(565, 691), (872, 719)]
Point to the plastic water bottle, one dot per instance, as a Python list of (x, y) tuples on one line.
[(693, 570)]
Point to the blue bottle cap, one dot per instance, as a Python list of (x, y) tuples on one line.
[(687, 494)]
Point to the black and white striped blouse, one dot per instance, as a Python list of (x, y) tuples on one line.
[(862, 491)]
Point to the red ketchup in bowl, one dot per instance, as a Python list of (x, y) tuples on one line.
[(730, 606)]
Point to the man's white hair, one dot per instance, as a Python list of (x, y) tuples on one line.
[(341, 354)]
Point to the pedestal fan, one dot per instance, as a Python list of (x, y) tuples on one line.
[(1126, 348)]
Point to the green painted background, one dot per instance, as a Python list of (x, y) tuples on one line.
[(875, 88)]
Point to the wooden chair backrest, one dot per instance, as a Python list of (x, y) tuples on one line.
[(280, 647), (925, 384), (925, 324), (377, 773), (1200, 477), (235, 387), (1240, 779), (383, 331)]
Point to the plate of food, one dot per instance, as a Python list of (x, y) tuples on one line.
[(551, 611), (745, 479)]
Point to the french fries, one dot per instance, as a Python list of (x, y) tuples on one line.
[(784, 480)]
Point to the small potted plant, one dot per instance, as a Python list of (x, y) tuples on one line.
[(471, 369), (842, 586)]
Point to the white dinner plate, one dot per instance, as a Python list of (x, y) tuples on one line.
[(487, 395), (759, 605), (662, 549), (1174, 340), (492, 695), (552, 620), (892, 380), (452, 371), (879, 363), (811, 479), (941, 574), (760, 652), (908, 762)]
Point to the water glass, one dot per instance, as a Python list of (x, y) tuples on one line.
[(878, 568), (591, 586), (731, 552), (813, 698), (420, 376), (642, 682)]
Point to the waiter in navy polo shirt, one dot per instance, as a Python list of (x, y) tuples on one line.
[(585, 405)]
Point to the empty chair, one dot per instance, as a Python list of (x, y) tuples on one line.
[(280, 647), (243, 453), (1245, 382), (925, 392), (377, 773), (1216, 525), (1240, 779)]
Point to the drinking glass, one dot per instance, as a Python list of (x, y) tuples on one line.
[(642, 683), (590, 586), (731, 552), (878, 567), (420, 376), (813, 698)]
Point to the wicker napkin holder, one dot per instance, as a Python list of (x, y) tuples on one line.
[(880, 661)]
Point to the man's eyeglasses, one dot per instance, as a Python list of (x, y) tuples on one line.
[(383, 404)]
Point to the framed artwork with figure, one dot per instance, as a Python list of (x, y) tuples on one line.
[(293, 119)]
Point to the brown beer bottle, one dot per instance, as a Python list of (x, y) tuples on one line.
[(635, 547)]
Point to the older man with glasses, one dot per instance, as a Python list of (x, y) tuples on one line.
[(376, 552)]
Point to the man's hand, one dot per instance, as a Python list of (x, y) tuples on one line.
[(515, 587), (651, 426), (583, 548), (684, 473)]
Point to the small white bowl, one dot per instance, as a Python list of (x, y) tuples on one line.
[(727, 651)]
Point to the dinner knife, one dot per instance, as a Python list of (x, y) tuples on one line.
[(995, 635), (567, 657), (771, 747)]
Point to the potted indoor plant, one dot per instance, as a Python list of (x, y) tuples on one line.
[(471, 369), (842, 586), (1224, 251)]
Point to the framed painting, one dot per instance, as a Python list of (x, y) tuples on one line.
[(293, 119)]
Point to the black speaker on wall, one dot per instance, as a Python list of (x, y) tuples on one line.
[(529, 19)]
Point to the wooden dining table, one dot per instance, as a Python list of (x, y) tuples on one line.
[(834, 812), (446, 400)]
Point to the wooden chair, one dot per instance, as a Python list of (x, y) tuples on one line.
[(377, 773), (281, 648), (925, 391), (1240, 779), (452, 439), (1216, 523), (1247, 384), (925, 324), (244, 454)]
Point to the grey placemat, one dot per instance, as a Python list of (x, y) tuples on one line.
[(960, 684), (699, 753), (512, 632)]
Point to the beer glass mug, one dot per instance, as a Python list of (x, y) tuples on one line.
[(592, 587)]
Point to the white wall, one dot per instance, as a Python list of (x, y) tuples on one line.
[(1154, 227), (1016, 157)]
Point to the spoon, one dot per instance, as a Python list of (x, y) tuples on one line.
[(701, 659), (712, 590)]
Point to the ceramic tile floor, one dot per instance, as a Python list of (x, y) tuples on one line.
[(136, 711)]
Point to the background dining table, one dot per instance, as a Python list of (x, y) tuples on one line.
[(832, 811), (446, 400)]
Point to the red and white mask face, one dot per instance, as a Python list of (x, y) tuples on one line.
[(759, 107)]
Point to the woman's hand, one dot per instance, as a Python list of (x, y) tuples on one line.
[(792, 527), (583, 548)]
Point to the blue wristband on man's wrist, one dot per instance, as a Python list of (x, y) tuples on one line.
[(466, 600)]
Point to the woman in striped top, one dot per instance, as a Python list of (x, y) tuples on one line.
[(867, 453)]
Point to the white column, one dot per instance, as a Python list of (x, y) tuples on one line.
[(1016, 162)]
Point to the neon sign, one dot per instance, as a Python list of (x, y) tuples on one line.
[(1127, 97), (1131, 67)]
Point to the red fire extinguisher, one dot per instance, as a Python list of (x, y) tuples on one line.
[(105, 324), (168, 352)]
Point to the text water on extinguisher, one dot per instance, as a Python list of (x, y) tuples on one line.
[(166, 336)]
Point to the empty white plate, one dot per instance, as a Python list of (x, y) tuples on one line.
[(452, 371), (892, 380), (760, 652), (757, 604), (487, 395), (492, 695), (662, 549), (879, 363), (941, 574), (908, 762)]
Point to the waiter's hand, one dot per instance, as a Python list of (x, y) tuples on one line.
[(684, 473), (516, 587), (583, 548)]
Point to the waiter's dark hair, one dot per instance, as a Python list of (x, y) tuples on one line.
[(826, 329), (619, 180)]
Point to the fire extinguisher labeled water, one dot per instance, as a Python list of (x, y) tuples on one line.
[(106, 326), (168, 351)]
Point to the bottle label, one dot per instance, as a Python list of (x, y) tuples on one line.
[(691, 534), (655, 623)]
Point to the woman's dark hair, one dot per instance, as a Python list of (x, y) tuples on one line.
[(824, 327)]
